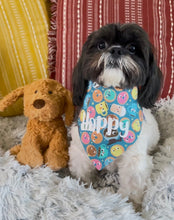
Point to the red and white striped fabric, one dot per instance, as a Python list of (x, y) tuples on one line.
[(72, 21)]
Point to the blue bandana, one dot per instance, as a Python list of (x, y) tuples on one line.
[(109, 123)]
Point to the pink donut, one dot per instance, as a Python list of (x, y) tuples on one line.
[(97, 164), (130, 137), (122, 98), (85, 138), (91, 111)]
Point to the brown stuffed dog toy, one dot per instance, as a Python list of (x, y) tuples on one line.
[(45, 141)]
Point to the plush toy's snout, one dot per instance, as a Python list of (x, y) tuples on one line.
[(39, 103)]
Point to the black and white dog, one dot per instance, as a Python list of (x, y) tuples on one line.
[(119, 56)]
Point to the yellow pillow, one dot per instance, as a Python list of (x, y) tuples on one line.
[(24, 27)]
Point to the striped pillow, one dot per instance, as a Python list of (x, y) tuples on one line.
[(75, 21), (23, 45)]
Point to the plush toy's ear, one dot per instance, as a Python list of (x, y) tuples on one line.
[(69, 108), (11, 98)]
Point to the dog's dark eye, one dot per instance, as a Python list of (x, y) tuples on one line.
[(101, 45), (35, 91), (132, 49), (50, 92)]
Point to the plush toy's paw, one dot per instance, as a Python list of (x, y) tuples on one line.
[(55, 168), (33, 160), (15, 150), (56, 162), (59, 164)]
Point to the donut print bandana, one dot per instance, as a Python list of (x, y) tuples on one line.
[(109, 123)]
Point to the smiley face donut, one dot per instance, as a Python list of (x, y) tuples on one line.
[(117, 150), (91, 111), (91, 150), (97, 164), (109, 95), (130, 137), (136, 125), (109, 160), (96, 137), (85, 138), (123, 98), (97, 95)]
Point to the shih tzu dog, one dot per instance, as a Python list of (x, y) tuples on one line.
[(115, 83)]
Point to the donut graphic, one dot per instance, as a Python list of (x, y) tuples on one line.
[(132, 110), (122, 98), (91, 150), (109, 95), (130, 137), (85, 138), (141, 115), (109, 160), (97, 164), (82, 115), (136, 125), (102, 151), (117, 150), (91, 111), (96, 137), (134, 93), (97, 95)]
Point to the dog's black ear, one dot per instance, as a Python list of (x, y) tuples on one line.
[(79, 79), (149, 92), (79, 83)]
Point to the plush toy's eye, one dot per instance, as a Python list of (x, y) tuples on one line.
[(101, 45), (50, 92), (132, 49), (35, 91)]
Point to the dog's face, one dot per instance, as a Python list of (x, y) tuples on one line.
[(119, 56)]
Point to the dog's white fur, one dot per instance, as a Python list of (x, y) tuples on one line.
[(114, 76), (109, 78), (134, 166)]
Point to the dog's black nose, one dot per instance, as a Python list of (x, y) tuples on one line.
[(116, 51), (39, 103)]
